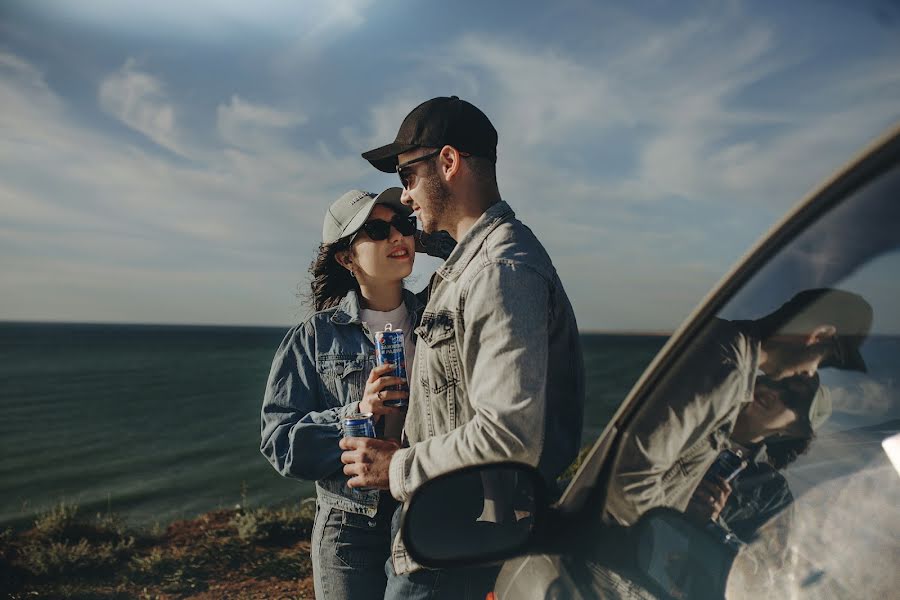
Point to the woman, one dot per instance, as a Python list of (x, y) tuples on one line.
[(325, 370), (771, 431)]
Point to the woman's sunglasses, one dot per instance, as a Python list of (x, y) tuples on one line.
[(378, 230)]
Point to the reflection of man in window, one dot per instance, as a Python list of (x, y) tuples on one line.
[(689, 419)]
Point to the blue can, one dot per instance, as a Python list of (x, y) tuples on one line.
[(727, 466), (389, 349), (359, 425)]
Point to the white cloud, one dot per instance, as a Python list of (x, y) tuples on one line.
[(330, 16), (681, 107), (549, 98), (139, 100), (244, 124), (671, 101), (631, 153), (385, 117), (319, 19), (23, 91), (123, 218)]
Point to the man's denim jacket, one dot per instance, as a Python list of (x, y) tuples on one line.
[(680, 430), (318, 377), (498, 374)]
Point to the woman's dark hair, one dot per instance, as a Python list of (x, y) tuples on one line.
[(781, 453), (330, 281)]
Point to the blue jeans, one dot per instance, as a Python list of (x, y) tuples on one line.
[(348, 553), (437, 584)]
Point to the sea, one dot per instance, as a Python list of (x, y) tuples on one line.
[(158, 423)]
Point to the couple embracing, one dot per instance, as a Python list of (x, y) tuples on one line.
[(494, 360)]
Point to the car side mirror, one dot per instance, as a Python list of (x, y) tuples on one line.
[(474, 515)]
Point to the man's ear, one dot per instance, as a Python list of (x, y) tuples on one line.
[(449, 161), (821, 334)]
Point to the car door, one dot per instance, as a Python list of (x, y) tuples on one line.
[(815, 509)]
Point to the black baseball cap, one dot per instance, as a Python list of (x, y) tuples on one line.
[(849, 313), (436, 123)]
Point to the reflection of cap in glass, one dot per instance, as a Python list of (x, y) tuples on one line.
[(820, 408), (848, 313), (350, 211)]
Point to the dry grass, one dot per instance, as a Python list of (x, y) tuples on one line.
[(66, 555)]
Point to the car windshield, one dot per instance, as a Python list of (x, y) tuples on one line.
[(775, 428)]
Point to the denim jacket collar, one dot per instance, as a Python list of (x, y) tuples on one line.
[(467, 247), (348, 311)]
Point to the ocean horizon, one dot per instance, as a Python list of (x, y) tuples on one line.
[(156, 422), (284, 327)]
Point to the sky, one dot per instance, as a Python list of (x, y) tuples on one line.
[(172, 162)]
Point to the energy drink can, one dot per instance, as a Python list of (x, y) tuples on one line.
[(389, 349), (359, 425), (727, 465)]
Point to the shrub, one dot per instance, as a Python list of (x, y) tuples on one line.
[(570, 471), (110, 525), (284, 526), (289, 565), (55, 558), (175, 571), (11, 576), (56, 522)]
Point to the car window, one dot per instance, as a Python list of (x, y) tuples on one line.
[(772, 430)]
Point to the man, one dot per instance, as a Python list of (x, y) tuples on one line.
[(498, 374), (688, 420)]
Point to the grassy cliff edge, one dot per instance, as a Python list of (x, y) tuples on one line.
[(229, 553)]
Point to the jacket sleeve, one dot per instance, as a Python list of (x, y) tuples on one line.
[(300, 434), (705, 395), (504, 358), (759, 495)]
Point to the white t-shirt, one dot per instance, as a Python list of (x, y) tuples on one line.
[(400, 320)]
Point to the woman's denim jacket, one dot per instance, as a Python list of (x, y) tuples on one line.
[(317, 378)]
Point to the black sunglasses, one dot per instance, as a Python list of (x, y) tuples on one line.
[(378, 229), (796, 392), (405, 174)]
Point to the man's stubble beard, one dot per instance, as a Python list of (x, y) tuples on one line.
[(439, 200)]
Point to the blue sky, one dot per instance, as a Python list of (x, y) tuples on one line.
[(171, 162)]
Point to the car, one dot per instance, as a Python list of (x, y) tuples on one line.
[(824, 515)]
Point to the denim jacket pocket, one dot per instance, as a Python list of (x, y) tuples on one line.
[(687, 471), (438, 367), (343, 377)]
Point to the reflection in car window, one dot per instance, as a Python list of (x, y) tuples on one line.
[(768, 431)]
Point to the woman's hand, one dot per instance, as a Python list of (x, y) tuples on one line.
[(376, 394), (708, 500)]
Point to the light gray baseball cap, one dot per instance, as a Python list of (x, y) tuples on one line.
[(348, 213), (820, 408)]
